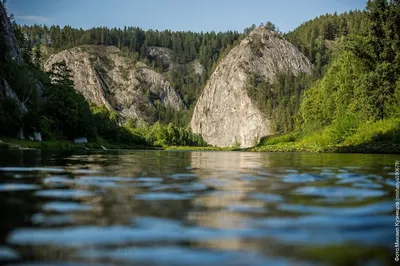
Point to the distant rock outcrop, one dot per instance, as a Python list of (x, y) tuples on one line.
[(169, 60), (224, 114), (105, 77)]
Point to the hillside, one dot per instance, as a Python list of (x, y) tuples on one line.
[(107, 78)]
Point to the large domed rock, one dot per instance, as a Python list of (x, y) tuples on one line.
[(225, 115)]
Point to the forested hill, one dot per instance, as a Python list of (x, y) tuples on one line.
[(317, 38), (354, 100)]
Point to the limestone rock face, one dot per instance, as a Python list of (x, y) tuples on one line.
[(105, 77), (169, 60), (225, 115)]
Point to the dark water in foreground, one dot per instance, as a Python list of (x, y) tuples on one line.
[(196, 208)]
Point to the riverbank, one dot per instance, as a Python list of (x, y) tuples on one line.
[(18, 144), (382, 148)]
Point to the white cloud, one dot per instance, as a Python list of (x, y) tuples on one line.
[(33, 19)]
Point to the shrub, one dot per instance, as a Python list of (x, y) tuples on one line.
[(10, 117), (272, 140), (379, 131)]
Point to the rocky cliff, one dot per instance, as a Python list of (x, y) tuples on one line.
[(7, 33), (10, 51), (224, 114), (105, 77)]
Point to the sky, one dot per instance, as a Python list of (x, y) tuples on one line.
[(176, 15)]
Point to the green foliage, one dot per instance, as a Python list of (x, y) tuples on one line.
[(188, 83), (66, 110), (279, 100), (316, 38), (379, 131), (336, 94), (108, 128), (272, 140), (165, 135), (10, 117), (354, 106), (332, 134), (362, 82), (382, 136)]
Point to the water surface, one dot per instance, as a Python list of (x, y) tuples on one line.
[(196, 208)]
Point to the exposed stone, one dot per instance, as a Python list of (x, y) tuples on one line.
[(37, 136), (105, 77), (7, 92), (224, 114), (80, 141), (197, 67), (169, 60), (166, 56)]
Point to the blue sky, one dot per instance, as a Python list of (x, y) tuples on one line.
[(194, 15)]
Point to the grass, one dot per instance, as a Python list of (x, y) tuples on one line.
[(371, 137), (13, 143)]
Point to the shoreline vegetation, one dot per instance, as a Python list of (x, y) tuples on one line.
[(271, 144), (381, 136), (381, 148)]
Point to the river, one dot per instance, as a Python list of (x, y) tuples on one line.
[(196, 208)]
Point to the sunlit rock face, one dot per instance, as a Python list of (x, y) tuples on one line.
[(104, 76), (224, 114)]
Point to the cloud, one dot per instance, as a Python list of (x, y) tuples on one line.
[(33, 19)]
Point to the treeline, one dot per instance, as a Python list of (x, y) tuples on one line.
[(187, 45), (316, 38), (363, 78)]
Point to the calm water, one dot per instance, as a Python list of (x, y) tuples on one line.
[(196, 208)]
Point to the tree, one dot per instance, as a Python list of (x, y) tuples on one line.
[(65, 107), (270, 26), (37, 56)]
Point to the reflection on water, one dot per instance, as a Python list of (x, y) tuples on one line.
[(196, 208)]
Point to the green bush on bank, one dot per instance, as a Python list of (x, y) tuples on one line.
[(346, 135), (379, 131), (164, 135)]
